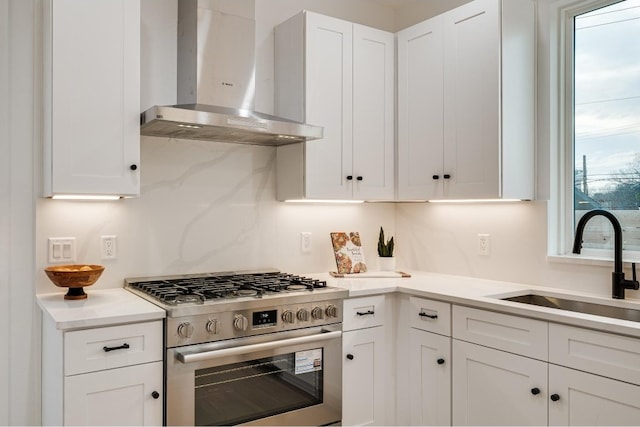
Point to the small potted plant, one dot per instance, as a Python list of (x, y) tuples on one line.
[(386, 260)]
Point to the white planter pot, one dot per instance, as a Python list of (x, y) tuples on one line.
[(386, 263)]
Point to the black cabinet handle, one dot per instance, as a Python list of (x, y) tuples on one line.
[(430, 316), (436, 177), (366, 313), (133, 167), (535, 391), (359, 178), (440, 361), (555, 397), (155, 394), (122, 347), (350, 356), (349, 177), (447, 176)]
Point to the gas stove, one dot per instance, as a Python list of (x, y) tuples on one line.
[(217, 306), (176, 290)]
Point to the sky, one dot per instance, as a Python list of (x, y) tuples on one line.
[(607, 91)]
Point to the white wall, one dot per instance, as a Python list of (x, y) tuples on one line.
[(19, 317)]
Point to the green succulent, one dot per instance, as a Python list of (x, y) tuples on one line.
[(385, 249)]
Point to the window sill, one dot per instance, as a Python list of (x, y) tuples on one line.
[(595, 258)]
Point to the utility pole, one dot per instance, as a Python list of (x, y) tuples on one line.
[(585, 189)]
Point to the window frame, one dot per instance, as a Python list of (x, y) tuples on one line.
[(561, 204)]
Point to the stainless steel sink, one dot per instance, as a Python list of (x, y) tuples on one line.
[(578, 306)]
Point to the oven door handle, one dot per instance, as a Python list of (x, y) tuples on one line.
[(187, 357)]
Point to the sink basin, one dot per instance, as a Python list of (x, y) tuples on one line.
[(578, 306)]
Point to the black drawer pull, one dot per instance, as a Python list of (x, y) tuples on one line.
[(430, 316), (155, 394), (440, 361), (350, 356), (436, 177), (122, 347), (555, 397), (366, 313), (535, 391), (447, 176)]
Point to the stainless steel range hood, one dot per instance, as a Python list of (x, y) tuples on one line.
[(216, 85)]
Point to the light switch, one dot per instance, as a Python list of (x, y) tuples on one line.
[(62, 250)]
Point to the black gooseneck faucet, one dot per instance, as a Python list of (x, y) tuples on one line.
[(618, 282)]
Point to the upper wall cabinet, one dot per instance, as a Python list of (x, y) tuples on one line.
[(338, 75), (92, 97), (466, 103)]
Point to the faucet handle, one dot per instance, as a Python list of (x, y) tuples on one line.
[(633, 272)]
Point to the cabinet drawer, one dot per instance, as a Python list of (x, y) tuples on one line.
[(430, 316), (92, 350), (613, 356), (514, 334), (364, 312)]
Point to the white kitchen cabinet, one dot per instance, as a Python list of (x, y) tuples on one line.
[(365, 368), (584, 399), (430, 381), (466, 131), (123, 396), (92, 97), (363, 389), (111, 375), (341, 76), (492, 387)]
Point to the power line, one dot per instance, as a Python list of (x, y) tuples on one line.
[(608, 100)]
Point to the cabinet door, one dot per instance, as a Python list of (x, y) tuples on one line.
[(492, 387), (587, 399), (363, 371), (123, 396), (430, 368), (373, 113), (93, 86), (329, 103), (471, 105), (420, 111)]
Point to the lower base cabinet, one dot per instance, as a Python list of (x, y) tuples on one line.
[(363, 377), (492, 387), (430, 382), (123, 397), (586, 399)]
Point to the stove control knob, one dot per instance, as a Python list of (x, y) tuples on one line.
[(317, 313), (240, 322), (303, 314), (331, 311), (287, 316), (213, 326), (185, 330)]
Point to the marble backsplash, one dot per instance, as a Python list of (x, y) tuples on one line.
[(204, 206)]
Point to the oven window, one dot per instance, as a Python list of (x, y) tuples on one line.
[(246, 391)]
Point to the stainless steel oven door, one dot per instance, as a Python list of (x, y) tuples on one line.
[(283, 378)]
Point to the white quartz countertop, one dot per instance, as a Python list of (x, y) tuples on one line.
[(101, 308), (486, 294)]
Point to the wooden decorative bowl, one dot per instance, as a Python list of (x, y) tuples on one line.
[(74, 277)]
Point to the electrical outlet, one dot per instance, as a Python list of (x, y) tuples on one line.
[(484, 244), (108, 247), (62, 249), (305, 242)]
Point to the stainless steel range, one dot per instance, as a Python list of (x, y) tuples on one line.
[(249, 348)]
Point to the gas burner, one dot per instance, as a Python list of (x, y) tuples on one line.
[(207, 288)]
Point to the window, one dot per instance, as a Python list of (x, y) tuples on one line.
[(603, 119)]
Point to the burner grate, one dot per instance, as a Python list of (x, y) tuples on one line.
[(199, 289)]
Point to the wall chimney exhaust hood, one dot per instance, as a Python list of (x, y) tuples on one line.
[(216, 85)]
